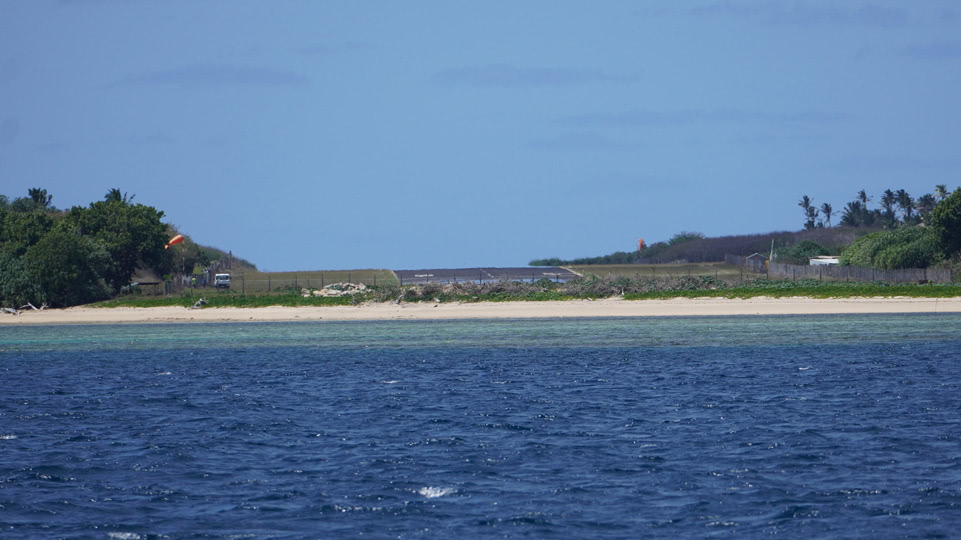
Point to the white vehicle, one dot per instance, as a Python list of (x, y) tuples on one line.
[(222, 281)]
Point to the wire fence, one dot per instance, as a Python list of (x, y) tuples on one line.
[(840, 273)]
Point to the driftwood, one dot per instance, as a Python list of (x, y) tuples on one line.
[(10, 311), (200, 303), (35, 308)]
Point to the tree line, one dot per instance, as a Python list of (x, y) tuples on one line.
[(83, 254), (895, 208)]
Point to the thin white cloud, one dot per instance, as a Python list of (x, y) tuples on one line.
[(512, 76), (214, 75)]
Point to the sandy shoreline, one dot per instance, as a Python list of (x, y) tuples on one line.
[(611, 307)]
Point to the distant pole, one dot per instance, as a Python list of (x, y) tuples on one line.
[(243, 286), (348, 276)]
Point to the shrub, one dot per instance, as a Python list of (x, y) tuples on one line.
[(946, 222), (801, 252), (17, 287), (907, 247), (69, 268)]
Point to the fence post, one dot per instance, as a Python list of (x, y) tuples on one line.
[(243, 286), (268, 282)]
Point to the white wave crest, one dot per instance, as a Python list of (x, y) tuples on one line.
[(434, 492), (124, 536), (7, 437)]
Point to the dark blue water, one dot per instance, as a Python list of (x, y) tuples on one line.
[(797, 427)]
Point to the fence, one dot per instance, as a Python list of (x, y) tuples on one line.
[(844, 273), (750, 264)]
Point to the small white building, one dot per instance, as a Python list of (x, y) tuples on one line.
[(824, 260)]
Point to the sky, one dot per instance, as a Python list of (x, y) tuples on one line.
[(310, 135)]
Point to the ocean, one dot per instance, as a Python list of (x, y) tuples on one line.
[(843, 426)]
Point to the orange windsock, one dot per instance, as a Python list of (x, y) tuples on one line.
[(640, 244), (175, 240)]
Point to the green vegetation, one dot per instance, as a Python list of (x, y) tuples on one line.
[(216, 300), (630, 288), (63, 258), (801, 252), (907, 247), (946, 221)]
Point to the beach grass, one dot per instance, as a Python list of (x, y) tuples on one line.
[(587, 288)]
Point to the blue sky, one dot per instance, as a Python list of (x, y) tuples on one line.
[(308, 135)]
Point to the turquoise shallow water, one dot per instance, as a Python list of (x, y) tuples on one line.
[(794, 426), (612, 332)]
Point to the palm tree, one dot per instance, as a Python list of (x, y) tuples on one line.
[(925, 206), (40, 197), (115, 195), (887, 202), (853, 215), (906, 203), (863, 197), (827, 211), (810, 212), (941, 192)]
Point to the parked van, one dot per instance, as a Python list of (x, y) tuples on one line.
[(222, 281)]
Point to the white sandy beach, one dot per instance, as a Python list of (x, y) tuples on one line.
[(612, 307)]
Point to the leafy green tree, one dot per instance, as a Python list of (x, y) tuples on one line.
[(801, 252), (17, 286), (20, 230), (946, 222), (905, 247), (132, 234), (684, 236), (69, 269), (925, 206)]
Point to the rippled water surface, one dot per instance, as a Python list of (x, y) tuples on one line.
[(797, 427)]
